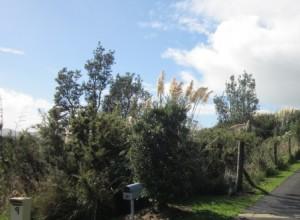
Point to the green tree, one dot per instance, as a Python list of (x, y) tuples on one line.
[(52, 133), (99, 75), (126, 95), (160, 154), (7, 159), (96, 169), (239, 101), (68, 92), (29, 166), (264, 125), (21, 165)]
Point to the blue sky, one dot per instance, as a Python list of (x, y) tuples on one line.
[(204, 40), (53, 34)]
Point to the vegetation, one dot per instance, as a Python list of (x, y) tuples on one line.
[(126, 96), (162, 144), (239, 102), (92, 143), (224, 207)]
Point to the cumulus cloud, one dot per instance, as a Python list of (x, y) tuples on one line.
[(21, 110), (11, 51), (261, 37)]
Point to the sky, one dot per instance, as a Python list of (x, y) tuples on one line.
[(201, 40)]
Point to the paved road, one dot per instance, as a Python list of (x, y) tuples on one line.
[(283, 201)]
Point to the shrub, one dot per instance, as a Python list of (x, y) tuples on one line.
[(161, 156), (216, 159), (96, 170), (264, 125)]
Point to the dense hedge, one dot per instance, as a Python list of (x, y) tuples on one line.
[(103, 154)]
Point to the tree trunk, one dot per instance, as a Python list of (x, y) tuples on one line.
[(240, 166)]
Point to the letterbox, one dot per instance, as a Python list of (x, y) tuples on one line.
[(20, 208), (132, 191)]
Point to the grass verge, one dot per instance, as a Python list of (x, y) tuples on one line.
[(221, 207), (224, 207)]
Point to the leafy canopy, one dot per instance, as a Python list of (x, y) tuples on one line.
[(239, 101), (126, 95)]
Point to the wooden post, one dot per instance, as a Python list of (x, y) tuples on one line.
[(275, 146), (275, 153), (290, 148), (240, 166)]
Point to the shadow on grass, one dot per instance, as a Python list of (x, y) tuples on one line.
[(177, 213)]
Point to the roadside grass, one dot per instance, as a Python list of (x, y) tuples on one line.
[(221, 207), (225, 207), (2, 217)]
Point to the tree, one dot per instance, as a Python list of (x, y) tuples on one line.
[(222, 108), (99, 74), (29, 167), (239, 101), (68, 92), (126, 95), (264, 125), (162, 145), (52, 132), (160, 149), (95, 171)]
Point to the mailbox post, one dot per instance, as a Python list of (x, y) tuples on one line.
[(20, 208), (132, 192)]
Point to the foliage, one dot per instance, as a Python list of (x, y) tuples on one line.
[(295, 127), (264, 125), (239, 101), (96, 168), (160, 149), (220, 207), (191, 98), (86, 152), (21, 166), (68, 92), (217, 145), (99, 74), (69, 89), (287, 120), (52, 133), (162, 144), (28, 165), (126, 95)]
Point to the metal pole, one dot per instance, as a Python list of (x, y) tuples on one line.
[(132, 209)]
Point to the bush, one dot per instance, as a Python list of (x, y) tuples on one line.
[(264, 125), (96, 170), (216, 159), (161, 155), (21, 166)]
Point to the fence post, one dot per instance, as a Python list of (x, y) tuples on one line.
[(290, 148), (240, 166), (275, 153)]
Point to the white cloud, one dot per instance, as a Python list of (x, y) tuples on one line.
[(21, 110), (154, 24), (193, 25), (11, 51), (261, 37)]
